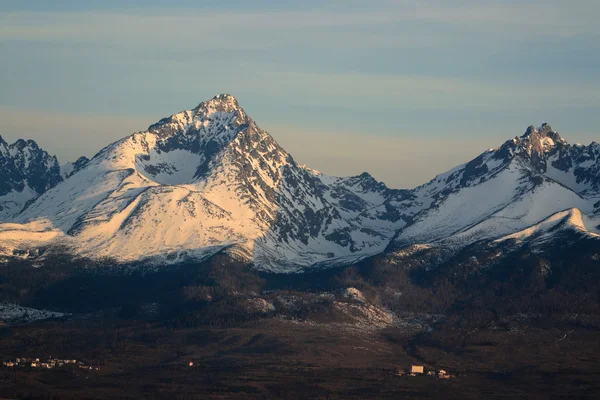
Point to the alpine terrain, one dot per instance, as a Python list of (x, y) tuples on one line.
[(209, 179), (26, 171)]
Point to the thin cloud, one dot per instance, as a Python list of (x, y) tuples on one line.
[(356, 90), (550, 18), (553, 19)]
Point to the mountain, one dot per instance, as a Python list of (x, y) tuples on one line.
[(210, 179), (201, 181), (533, 190), (26, 171), (516, 187)]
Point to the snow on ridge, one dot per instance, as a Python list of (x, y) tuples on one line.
[(13, 313), (572, 219)]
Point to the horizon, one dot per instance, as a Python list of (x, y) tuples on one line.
[(358, 139), (380, 86)]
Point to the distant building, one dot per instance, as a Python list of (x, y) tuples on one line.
[(443, 374), (417, 369), (330, 255)]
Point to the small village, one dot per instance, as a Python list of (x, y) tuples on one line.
[(33, 362), (419, 370)]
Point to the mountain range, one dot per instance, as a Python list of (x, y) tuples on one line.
[(209, 179)]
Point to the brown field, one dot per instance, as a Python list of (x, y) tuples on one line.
[(276, 358)]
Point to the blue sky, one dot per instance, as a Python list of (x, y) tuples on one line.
[(402, 89)]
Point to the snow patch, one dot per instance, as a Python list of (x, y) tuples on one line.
[(14, 314)]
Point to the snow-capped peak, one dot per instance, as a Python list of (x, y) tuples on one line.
[(209, 178), (177, 149), (535, 146), (222, 103), (542, 139), (222, 113)]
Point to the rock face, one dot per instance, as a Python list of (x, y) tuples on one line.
[(26, 171), (210, 179)]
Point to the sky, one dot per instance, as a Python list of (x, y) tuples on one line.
[(402, 89)]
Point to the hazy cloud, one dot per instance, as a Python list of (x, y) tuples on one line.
[(200, 26), (364, 91)]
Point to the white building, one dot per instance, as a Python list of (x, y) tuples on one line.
[(417, 369)]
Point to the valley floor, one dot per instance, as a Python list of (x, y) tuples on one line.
[(279, 358)]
